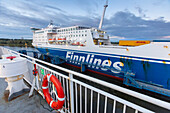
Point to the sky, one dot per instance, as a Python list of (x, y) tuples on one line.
[(124, 19)]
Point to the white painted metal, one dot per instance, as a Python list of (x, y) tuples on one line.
[(115, 99), (64, 89), (85, 100), (7, 55), (136, 111), (91, 108), (32, 88), (16, 86), (124, 108), (8, 67), (102, 18), (34, 83), (105, 106), (80, 100), (98, 100), (68, 99), (114, 106), (71, 92), (12, 71), (76, 98)]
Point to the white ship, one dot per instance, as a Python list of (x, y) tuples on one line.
[(91, 49)]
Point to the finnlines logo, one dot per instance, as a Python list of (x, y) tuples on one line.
[(94, 62)]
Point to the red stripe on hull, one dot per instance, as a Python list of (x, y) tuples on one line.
[(111, 76)]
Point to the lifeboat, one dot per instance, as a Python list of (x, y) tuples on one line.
[(52, 39), (61, 39)]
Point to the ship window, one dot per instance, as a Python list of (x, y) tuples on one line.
[(85, 30), (76, 35), (71, 29), (79, 35), (79, 31), (82, 35), (85, 34)]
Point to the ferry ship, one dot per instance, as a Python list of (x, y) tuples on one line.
[(146, 66)]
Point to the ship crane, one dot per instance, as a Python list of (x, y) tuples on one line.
[(101, 21)]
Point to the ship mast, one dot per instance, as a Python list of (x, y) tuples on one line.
[(101, 21)]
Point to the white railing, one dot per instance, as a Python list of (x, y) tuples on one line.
[(83, 97)]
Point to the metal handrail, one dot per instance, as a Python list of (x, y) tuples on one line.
[(143, 97)]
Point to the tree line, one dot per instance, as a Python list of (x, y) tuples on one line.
[(16, 42)]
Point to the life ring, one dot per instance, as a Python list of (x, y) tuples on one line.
[(55, 105)]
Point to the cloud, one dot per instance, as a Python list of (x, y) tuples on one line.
[(141, 12), (165, 37), (126, 24), (16, 20), (55, 8)]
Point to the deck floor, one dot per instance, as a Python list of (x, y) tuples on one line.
[(22, 104)]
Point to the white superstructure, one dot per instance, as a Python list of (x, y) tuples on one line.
[(74, 35)]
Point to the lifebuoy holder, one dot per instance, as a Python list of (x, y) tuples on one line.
[(60, 94)]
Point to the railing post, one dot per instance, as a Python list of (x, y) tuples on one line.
[(71, 92)]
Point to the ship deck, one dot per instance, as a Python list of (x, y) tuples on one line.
[(22, 104)]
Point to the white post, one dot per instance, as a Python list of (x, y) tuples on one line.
[(71, 92), (101, 21)]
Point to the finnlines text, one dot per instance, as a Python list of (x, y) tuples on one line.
[(94, 62)]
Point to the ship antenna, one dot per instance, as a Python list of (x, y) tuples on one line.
[(101, 21), (51, 22)]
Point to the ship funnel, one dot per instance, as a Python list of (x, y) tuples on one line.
[(101, 21)]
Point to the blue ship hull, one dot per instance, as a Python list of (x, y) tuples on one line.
[(149, 70)]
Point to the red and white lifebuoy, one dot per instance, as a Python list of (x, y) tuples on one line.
[(60, 93)]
